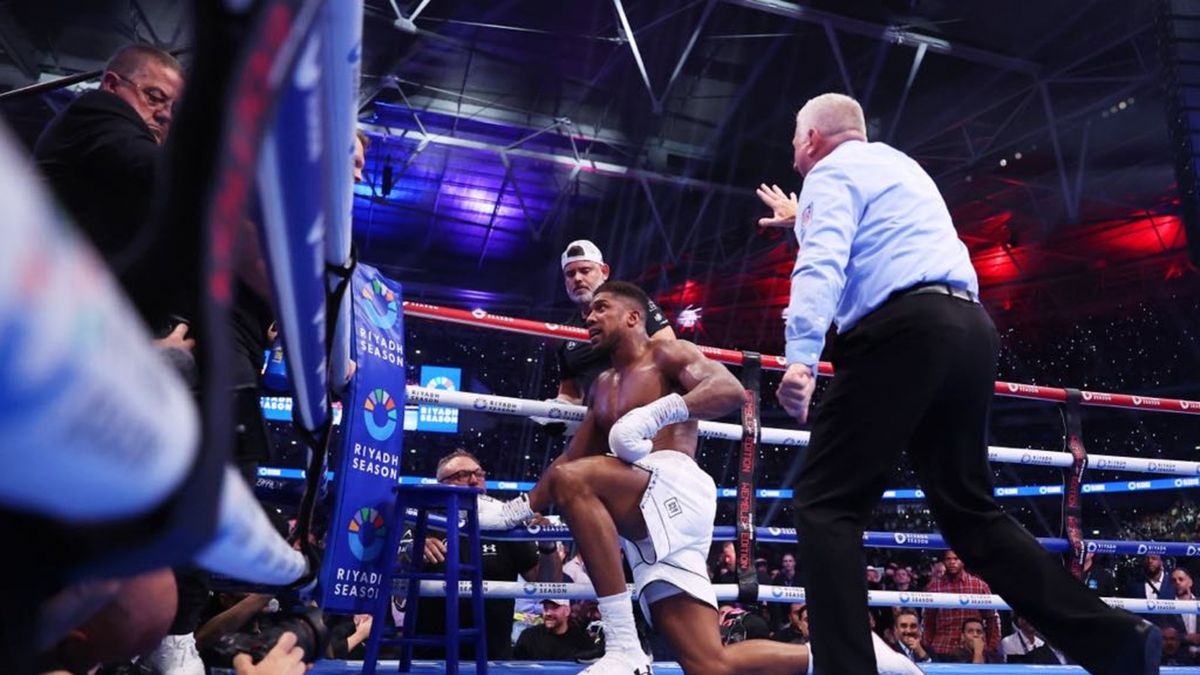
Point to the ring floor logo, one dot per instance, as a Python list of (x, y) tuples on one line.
[(367, 534), (380, 403), (377, 293)]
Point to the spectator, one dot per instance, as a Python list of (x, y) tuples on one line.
[(1153, 584), (937, 570), (556, 639), (796, 632), (972, 645), (725, 569), (1184, 623), (762, 569), (902, 580), (502, 561), (881, 617), (787, 571), (873, 578), (1098, 576), (584, 269), (786, 576), (909, 640), (944, 627), (1025, 645), (101, 156), (1174, 653)]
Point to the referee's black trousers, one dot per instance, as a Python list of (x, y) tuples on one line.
[(918, 374)]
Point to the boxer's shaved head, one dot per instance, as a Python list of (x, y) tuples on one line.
[(629, 292)]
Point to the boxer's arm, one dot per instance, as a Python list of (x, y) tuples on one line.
[(710, 390), (587, 441)]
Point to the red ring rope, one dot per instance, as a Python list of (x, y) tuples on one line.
[(482, 319)]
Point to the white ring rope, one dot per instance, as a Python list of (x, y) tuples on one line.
[(789, 594), (506, 405)]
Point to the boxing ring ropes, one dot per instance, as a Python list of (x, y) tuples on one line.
[(1186, 473)]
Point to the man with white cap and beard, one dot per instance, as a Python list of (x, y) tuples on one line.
[(584, 269)]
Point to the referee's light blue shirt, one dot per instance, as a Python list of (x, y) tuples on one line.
[(870, 222)]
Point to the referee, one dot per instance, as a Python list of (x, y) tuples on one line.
[(915, 355)]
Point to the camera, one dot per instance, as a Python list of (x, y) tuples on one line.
[(311, 635)]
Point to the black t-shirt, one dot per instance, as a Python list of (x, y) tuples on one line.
[(539, 644), (502, 561), (579, 362)]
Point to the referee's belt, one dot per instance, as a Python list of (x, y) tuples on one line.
[(938, 289)]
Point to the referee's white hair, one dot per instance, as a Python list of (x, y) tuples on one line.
[(831, 114)]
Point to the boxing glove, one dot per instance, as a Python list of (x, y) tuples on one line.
[(630, 438)]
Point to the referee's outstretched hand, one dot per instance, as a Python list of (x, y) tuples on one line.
[(795, 391), (782, 205)]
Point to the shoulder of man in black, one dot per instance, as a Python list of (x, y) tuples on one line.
[(567, 364), (98, 139), (656, 319), (94, 113)]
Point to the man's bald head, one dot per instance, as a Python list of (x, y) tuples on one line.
[(823, 124)]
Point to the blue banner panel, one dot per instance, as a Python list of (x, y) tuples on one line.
[(434, 417), (291, 180), (369, 463)]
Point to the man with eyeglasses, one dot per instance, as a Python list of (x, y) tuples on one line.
[(101, 154), (502, 561)]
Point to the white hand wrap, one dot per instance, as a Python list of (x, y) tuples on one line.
[(631, 437)]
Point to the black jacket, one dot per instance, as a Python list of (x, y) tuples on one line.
[(102, 163)]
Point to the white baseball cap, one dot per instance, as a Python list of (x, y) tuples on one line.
[(562, 602), (583, 250)]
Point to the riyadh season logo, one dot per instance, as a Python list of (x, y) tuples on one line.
[(367, 534), (380, 403), (377, 293)]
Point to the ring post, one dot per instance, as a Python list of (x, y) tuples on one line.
[(747, 468), (1072, 503)]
